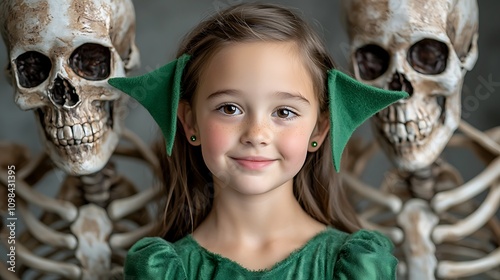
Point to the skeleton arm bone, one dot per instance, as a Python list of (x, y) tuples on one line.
[(449, 269), (125, 240), (394, 233), (67, 270), (120, 208), (472, 223), (447, 199), (390, 201), (479, 137), (64, 209), (44, 233)]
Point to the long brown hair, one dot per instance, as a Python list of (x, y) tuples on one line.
[(187, 181)]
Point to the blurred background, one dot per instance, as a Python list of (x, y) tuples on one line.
[(161, 26)]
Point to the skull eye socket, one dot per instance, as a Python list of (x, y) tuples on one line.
[(91, 62), (428, 56), (372, 61), (33, 68)]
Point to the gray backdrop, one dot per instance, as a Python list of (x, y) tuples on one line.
[(161, 24)]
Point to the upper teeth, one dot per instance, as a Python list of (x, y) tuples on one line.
[(78, 125), (78, 133), (402, 123)]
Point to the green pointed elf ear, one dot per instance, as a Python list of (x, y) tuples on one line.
[(159, 92), (351, 102)]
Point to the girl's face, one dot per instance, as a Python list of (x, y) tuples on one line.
[(255, 116)]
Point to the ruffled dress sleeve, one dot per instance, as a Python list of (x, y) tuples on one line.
[(153, 258), (366, 255)]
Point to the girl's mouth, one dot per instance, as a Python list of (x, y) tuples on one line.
[(254, 163)]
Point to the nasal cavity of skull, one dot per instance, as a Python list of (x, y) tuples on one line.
[(399, 82), (372, 61), (91, 61), (428, 56), (63, 93), (33, 68)]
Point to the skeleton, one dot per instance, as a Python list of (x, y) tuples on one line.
[(86, 230), (425, 48), (61, 54)]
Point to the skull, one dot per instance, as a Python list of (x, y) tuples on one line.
[(61, 55), (424, 48)]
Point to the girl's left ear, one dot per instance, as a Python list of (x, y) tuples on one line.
[(319, 133), (186, 117)]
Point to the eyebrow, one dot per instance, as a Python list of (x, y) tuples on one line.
[(280, 94)]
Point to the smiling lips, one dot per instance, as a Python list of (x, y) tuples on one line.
[(253, 163)]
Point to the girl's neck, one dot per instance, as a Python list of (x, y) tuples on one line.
[(254, 219)]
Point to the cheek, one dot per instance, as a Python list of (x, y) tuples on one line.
[(215, 138), (293, 144)]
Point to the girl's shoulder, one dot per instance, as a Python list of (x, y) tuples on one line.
[(153, 258), (362, 238), (365, 254)]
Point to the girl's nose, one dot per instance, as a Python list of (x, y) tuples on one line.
[(256, 133)]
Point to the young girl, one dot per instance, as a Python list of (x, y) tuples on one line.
[(254, 106)]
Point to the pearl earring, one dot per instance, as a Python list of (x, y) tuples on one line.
[(193, 138), (314, 144)]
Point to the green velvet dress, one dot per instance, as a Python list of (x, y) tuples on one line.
[(331, 254)]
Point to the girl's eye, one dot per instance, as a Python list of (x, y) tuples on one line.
[(284, 113), (229, 109)]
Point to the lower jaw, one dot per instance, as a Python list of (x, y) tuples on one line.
[(409, 156), (82, 159)]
